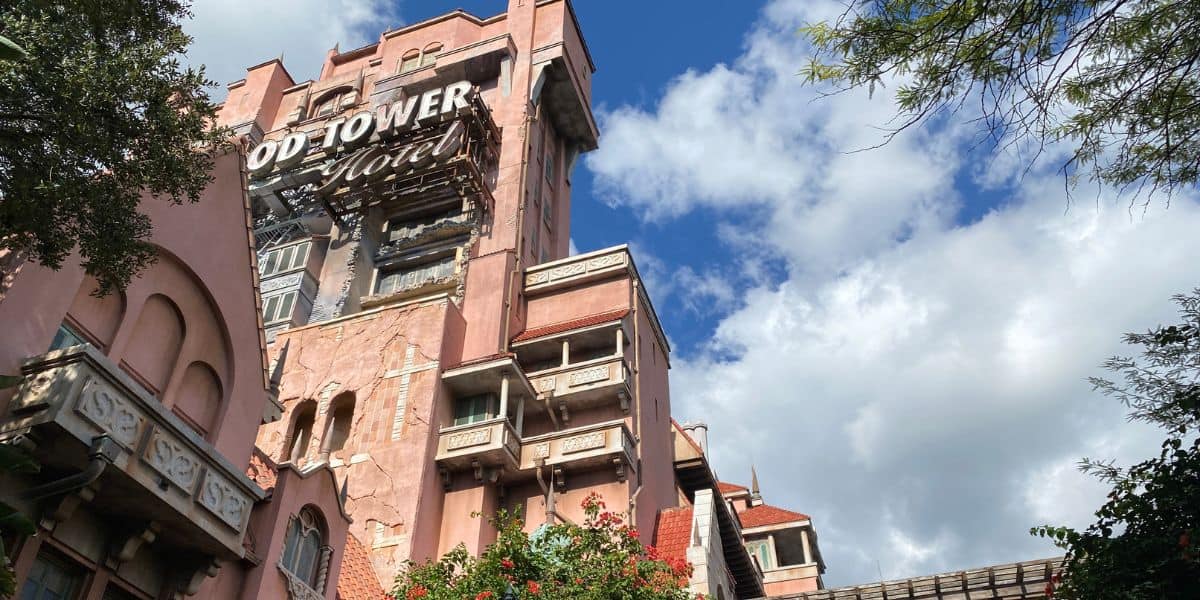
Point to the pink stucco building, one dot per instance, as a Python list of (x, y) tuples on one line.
[(367, 330)]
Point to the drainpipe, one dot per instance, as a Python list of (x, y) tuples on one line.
[(104, 451), (637, 393), (551, 511), (515, 278)]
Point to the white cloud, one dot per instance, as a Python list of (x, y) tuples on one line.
[(915, 384), (230, 35)]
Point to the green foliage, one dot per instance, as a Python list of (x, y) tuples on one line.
[(1118, 79), (100, 110), (1145, 542), (12, 460), (598, 560)]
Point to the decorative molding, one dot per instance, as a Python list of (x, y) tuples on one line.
[(106, 409), (291, 280), (587, 441), (167, 456), (544, 384), (223, 500), (467, 439), (541, 450), (589, 375), (576, 268)]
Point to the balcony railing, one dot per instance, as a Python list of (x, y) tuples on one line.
[(483, 445), (163, 471), (603, 444), (583, 384)]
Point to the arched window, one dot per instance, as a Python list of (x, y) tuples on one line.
[(331, 101), (410, 60), (198, 398), (98, 316), (154, 346), (304, 548), (337, 430), (302, 428), (429, 54)]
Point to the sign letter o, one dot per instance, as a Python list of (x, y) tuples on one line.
[(262, 158), (358, 128)]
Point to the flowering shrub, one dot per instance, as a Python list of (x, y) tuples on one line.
[(601, 559)]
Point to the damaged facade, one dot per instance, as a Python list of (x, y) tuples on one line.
[(379, 334)]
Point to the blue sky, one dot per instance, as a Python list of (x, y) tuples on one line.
[(897, 339)]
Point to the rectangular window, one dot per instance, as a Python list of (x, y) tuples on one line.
[(412, 277), (284, 259), (761, 550), (474, 409), (52, 578), (548, 209), (65, 338), (550, 167), (535, 246), (278, 308)]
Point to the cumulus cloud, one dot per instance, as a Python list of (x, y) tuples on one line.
[(915, 381), (230, 35)]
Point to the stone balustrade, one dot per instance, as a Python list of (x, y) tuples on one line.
[(169, 473), (606, 378)]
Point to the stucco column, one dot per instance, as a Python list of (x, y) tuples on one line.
[(566, 353), (520, 415), (620, 341), (808, 557), (504, 395)]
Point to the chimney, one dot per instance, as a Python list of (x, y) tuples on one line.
[(699, 432)]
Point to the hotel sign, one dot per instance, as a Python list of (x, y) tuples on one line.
[(367, 134)]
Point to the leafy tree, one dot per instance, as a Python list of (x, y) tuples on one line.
[(1145, 542), (99, 110), (12, 460), (1117, 79), (598, 560)]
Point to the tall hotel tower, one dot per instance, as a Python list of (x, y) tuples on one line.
[(440, 350)]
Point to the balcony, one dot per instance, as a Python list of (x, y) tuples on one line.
[(602, 444), (486, 447), (157, 471), (585, 384)]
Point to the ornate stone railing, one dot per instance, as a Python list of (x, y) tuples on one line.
[(576, 268), (609, 377), (608, 443), (179, 479), (491, 443)]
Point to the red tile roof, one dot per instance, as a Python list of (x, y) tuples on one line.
[(673, 532), (686, 436), (481, 360), (595, 319), (262, 469), (356, 580), (730, 488), (765, 514)]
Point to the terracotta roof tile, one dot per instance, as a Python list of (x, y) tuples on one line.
[(765, 514), (730, 488), (356, 580), (262, 469), (481, 359), (673, 532), (588, 321)]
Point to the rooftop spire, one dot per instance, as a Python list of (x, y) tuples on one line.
[(755, 496)]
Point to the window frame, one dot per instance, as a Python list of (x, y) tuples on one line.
[(270, 263), (272, 306), (303, 527), (75, 573), (382, 272), (482, 407)]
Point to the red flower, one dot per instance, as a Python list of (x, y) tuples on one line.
[(633, 533), (505, 563), (483, 595), (417, 592), (533, 586)]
